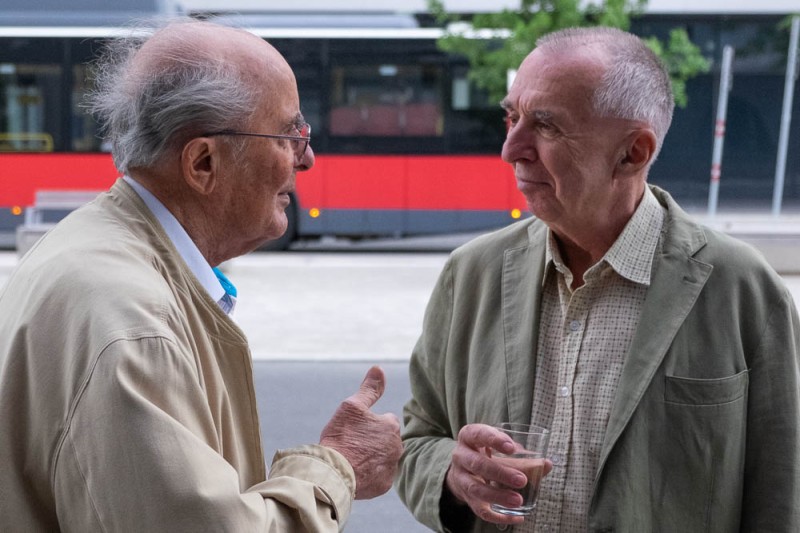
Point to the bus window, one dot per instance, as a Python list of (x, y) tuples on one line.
[(475, 120), (28, 96), (85, 135), (386, 100)]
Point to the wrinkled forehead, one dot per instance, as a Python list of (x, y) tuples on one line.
[(565, 77)]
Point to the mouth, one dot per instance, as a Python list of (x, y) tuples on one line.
[(528, 185), (529, 180), (284, 197), (286, 191)]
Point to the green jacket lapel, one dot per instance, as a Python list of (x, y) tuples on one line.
[(521, 285), (677, 281)]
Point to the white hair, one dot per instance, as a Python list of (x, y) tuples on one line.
[(635, 84), (146, 113)]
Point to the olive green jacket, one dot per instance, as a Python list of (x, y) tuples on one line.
[(703, 433)]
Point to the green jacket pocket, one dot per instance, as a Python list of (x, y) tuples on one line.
[(692, 391)]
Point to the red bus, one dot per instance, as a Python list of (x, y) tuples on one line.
[(404, 144)]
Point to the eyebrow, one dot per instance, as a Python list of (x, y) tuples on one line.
[(298, 119), (538, 114)]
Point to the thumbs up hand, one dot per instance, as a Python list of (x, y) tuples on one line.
[(370, 442)]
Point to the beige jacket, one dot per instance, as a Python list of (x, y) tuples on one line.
[(127, 399)]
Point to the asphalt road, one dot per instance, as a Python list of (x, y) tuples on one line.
[(295, 401)]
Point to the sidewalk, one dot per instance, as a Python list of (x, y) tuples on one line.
[(777, 238), (334, 306)]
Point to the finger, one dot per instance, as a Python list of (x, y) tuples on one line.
[(371, 388), (479, 496), (485, 513), (391, 420), (548, 466), (478, 436), (478, 492), (490, 470)]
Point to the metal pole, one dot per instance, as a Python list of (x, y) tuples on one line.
[(725, 84), (786, 118)]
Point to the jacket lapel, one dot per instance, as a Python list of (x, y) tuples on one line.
[(521, 290), (677, 281)]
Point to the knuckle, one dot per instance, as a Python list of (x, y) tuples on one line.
[(350, 404), (473, 463), (457, 457), (464, 433), (474, 489), (483, 512)]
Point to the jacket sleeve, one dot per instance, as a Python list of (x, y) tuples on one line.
[(428, 435), (140, 452), (771, 499)]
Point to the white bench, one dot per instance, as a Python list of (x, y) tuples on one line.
[(47, 200), (35, 224)]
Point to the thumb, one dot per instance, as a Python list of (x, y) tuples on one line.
[(371, 388)]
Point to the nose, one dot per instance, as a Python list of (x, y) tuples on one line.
[(518, 145), (307, 160)]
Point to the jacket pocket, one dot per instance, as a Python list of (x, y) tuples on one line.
[(692, 391)]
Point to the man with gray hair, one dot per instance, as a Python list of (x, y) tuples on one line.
[(126, 393), (662, 355)]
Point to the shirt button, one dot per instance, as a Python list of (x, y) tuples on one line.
[(557, 459), (575, 325), (563, 391)]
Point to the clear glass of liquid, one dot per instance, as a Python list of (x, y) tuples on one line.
[(529, 458)]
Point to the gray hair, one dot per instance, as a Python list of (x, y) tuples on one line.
[(146, 113), (635, 84)]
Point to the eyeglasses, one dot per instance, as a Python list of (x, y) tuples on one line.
[(299, 142)]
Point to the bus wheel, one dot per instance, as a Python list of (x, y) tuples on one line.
[(283, 242)]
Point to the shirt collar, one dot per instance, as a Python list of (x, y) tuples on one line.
[(631, 255), (180, 239)]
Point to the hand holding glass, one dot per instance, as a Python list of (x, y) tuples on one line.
[(529, 458)]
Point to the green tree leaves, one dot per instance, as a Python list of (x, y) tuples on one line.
[(506, 37)]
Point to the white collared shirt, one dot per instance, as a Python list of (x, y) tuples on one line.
[(185, 246)]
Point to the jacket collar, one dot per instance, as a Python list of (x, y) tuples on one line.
[(677, 280)]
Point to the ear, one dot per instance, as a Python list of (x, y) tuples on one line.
[(200, 164), (638, 150)]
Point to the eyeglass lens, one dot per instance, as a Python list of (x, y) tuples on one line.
[(302, 146)]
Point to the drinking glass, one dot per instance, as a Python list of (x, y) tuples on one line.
[(529, 458)]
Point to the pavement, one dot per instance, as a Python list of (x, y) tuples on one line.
[(341, 306), (777, 238), (333, 306), (295, 401)]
